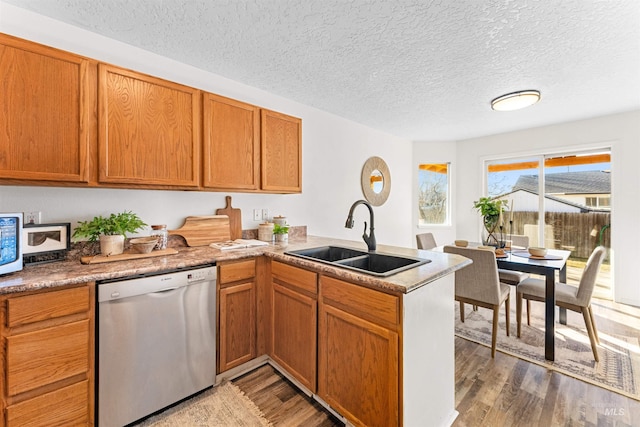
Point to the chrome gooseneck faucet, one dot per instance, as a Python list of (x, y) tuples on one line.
[(369, 239)]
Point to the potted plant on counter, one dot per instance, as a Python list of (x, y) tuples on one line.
[(111, 231), (281, 232), (491, 211)]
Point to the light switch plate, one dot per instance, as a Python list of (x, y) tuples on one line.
[(257, 214)]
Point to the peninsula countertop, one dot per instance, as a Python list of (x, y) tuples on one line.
[(55, 274)]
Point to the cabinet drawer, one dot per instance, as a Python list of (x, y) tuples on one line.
[(35, 359), (294, 276), (67, 406), (375, 306), (47, 305), (235, 271)]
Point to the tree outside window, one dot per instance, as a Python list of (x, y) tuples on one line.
[(433, 194)]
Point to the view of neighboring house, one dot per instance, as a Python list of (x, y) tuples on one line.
[(585, 191), (568, 196)]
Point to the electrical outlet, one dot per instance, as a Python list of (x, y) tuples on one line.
[(265, 214), (32, 217), (256, 214)]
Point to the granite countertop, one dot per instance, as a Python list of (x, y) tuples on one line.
[(68, 272)]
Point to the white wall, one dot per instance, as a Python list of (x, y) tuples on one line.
[(621, 132), (334, 151), (435, 152)]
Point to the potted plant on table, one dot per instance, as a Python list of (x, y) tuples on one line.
[(111, 230), (281, 232), (491, 211)]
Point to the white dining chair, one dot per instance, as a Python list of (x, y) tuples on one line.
[(573, 298)]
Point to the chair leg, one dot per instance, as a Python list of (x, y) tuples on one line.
[(528, 312), (507, 309), (461, 311), (592, 338), (494, 333), (519, 312), (593, 323)]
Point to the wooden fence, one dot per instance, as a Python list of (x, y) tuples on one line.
[(578, 232)]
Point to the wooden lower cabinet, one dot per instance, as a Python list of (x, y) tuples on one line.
[(294, 322), (237, 313), (48, 358), (359, 353)]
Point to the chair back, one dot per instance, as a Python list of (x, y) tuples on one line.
[(426, 241), (519, 240), (589, 275), (478, 281)]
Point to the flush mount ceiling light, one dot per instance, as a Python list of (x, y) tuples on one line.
[(515, 100)]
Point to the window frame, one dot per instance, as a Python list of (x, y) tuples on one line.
[(448, 214)]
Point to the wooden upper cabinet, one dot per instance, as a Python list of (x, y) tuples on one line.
[(281, 152), (149, 130), (47, 104), (231, 144)]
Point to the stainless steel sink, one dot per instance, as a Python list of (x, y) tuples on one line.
[(373, 263)]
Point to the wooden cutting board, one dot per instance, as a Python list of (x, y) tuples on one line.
[(235, 219), (204, 230), (99, 259)]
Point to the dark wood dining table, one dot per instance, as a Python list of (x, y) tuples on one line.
[(546, 268)]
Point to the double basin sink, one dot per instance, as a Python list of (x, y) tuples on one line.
[(372, 263)]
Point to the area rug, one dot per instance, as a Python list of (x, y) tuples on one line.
[(619, 366), (222, 406)]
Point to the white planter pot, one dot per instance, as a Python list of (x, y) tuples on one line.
[(281, 240), (112, 245)]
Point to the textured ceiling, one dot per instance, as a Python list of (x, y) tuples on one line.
[(424, 70)]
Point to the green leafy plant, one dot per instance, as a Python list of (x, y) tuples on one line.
[(489, 207), (280, 229), (122, 223)]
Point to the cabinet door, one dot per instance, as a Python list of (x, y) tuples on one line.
[(237, 338), (231, 144), (358, 368), (149, 130), (294, 326), (46, 112), (281, 152)]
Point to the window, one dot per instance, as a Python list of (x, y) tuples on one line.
[(433, 194), (598, 202), (559, 201)]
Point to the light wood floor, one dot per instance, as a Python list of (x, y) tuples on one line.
[(281, 402), (504, 391)]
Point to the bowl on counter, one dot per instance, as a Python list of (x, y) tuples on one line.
[(461, 243), (534, 251), (143, 245)]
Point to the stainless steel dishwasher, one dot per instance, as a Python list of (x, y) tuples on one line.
[(156, 342)]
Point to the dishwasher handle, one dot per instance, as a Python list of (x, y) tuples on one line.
[(162, 291)]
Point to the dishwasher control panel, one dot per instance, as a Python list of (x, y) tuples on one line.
[(164, 282), (206, 274)]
